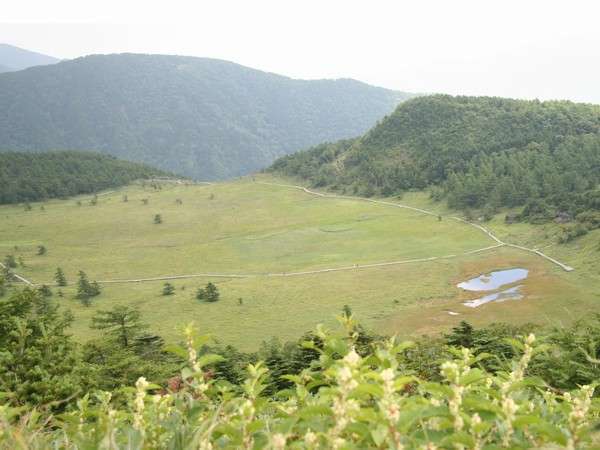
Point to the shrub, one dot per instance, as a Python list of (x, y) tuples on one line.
[(350, 399)]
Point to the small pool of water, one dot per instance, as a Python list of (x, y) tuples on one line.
[(514, 293), (494, 280)]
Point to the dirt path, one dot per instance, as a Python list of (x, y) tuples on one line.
[(18, 277), (499, 243), (431, 213)]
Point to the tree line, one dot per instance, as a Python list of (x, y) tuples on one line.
[(477, 153), (28, 177)]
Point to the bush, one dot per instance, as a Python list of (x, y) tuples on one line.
[(210, 293), (350, 399), (168, 289)]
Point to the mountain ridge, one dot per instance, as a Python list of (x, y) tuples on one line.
[(201, 117), (14, 58), (476, 152)]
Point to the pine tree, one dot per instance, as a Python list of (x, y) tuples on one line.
[(45, 290), (212, 293), (59, 277), (10, 261), (122, 322), (85, 289), (168, 289)]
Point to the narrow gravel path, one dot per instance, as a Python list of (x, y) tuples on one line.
[(18, 277), (499, 243), (431, 213)]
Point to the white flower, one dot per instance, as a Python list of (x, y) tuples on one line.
[(352, 358), (387, 375), (310, 439), (278, 441)]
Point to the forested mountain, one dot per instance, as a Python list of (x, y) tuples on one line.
[(200, 117), (14, 58), (476, 152), (38, 176)]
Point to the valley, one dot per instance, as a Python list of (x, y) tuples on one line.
[(270, 249)]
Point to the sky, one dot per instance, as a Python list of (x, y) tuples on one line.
[(523, 49)]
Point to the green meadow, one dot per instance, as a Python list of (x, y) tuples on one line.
[(268, 233)]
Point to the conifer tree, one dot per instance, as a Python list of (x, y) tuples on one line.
[(59, 277), (168, 289)]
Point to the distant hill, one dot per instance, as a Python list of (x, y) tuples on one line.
[(474, 151), (200, 117), (28, 177), (14, 58)]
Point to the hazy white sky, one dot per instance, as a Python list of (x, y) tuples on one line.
[(527, 48)]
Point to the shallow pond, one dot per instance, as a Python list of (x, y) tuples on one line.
[(494, 280), (513, 293)]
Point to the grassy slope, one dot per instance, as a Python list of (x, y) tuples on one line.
[(252, 228)]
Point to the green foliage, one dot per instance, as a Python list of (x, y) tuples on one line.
[(38, 362), (59, 277), (41, 250), (157, 218), (168, 289), (200, 117), (45, 290), (209, 293), (26, 177), (122, 323), (10, 261), (348, 400), (86, 289), (477, 152)]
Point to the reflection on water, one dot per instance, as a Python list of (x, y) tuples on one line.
[(513, 293), (494, 280)]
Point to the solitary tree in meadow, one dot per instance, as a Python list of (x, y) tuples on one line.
[(59, 277), (86, 289), (168, 289), (157, 219), (41, 250), (210, 293), (347, 311)]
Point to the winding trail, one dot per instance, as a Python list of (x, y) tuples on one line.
[(499, 243), (18, 277), (431, 213)]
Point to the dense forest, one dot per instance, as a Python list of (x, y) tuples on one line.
[(200, 117), (502, 386), (475, 152), (27, 177)]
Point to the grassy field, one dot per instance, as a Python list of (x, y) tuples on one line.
[(245, 227)]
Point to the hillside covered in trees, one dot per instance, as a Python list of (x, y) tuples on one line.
[(28, 177), (475, 152), (200, 117)]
